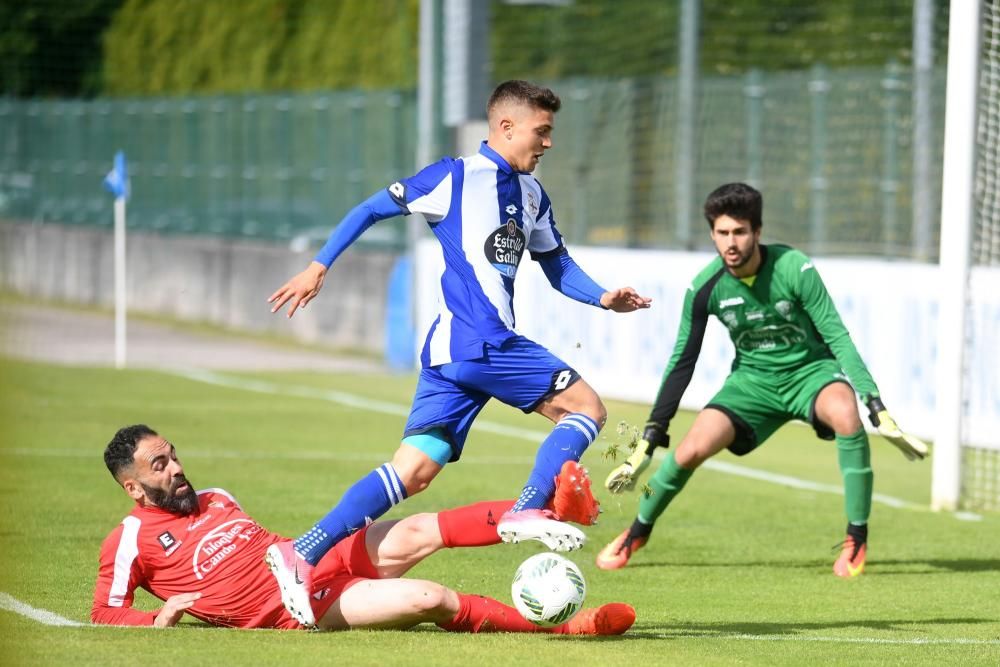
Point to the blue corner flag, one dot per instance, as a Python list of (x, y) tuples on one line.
[(116, 182)]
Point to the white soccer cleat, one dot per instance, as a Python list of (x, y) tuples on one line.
[(539, 525), (294, 576)]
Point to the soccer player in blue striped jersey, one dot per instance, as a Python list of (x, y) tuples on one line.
[(486, 210)]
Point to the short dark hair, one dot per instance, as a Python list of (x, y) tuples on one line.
[(737, 200), (120, 452), (523, 92)]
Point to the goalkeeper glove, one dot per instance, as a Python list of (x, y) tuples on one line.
[(913, 448), (624, 477)]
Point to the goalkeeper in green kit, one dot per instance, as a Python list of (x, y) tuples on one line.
[(794, 360)]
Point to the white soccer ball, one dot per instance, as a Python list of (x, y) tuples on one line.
[(548, 589)]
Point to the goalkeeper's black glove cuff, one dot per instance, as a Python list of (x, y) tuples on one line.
[(875, 406), (656, 436)]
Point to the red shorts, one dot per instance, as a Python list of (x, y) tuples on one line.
[(342, 567)]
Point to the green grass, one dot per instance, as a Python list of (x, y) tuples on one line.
[(737, 572)]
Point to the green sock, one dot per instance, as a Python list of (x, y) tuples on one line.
[(668, 481), (854, 458)]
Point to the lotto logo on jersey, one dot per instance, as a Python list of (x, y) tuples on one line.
[(398, 192), (504, 247)]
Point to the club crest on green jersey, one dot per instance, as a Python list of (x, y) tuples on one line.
[(784, 309)]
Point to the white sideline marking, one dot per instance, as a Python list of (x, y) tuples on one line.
[(343, 398), (796, 483), (360, 402), (380, 457), (43, 616), (46, 617), (919, 641), (481, 425)]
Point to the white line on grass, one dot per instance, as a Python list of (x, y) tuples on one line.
[(46, 617), (833, 640), (343, 398), (380, 457), (360, 402), (43, 616)]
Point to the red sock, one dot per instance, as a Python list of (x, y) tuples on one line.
[(482, 614), (472, 525)]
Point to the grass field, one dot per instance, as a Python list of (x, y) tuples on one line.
[(739, 570)]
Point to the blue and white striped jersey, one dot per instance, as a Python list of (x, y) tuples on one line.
[(485, 214)]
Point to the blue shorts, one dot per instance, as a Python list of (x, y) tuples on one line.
[(521, 373)]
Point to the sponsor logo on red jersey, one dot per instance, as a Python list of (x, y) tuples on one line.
[(219, 543)]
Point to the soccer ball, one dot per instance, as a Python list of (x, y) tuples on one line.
[(548, 589)]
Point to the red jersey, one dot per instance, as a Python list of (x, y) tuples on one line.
[(217, 551)]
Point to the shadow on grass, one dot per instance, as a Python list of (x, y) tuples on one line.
[(708, 630), (915, 627), (936, 564), (874, 566)]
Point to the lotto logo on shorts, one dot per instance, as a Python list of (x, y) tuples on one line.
[(562, 379)]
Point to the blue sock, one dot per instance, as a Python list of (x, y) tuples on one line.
[(370, 497), (568, 440)]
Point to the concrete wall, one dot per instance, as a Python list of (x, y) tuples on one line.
[(200, 279)]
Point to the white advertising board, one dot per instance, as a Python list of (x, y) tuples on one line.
[(890, 308)]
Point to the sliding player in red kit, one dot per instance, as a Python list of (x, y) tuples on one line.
[(202, 554)]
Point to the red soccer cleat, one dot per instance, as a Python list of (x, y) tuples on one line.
[(573, 499), (615, 556), (851, 562), (609, 619)]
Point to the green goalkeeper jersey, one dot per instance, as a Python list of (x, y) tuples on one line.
[(778, 320)]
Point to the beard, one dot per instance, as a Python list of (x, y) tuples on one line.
[(169, 500), (742, 260)]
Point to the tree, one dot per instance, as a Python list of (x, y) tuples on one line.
[(52, 48)]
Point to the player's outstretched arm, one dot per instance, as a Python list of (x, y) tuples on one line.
[(912, 447), (300, 290), (624, 477), (624, 300), (174, 608)]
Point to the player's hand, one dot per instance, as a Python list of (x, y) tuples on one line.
[(174, 608), (300, 290), (624, 300), (912, 447), (624, 477)]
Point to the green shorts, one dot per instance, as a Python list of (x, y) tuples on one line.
[(759, 403)]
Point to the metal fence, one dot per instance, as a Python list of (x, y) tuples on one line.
[(831, 150), (266, 167)]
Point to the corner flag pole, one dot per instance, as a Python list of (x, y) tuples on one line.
[(117, 183), (120, 304)]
